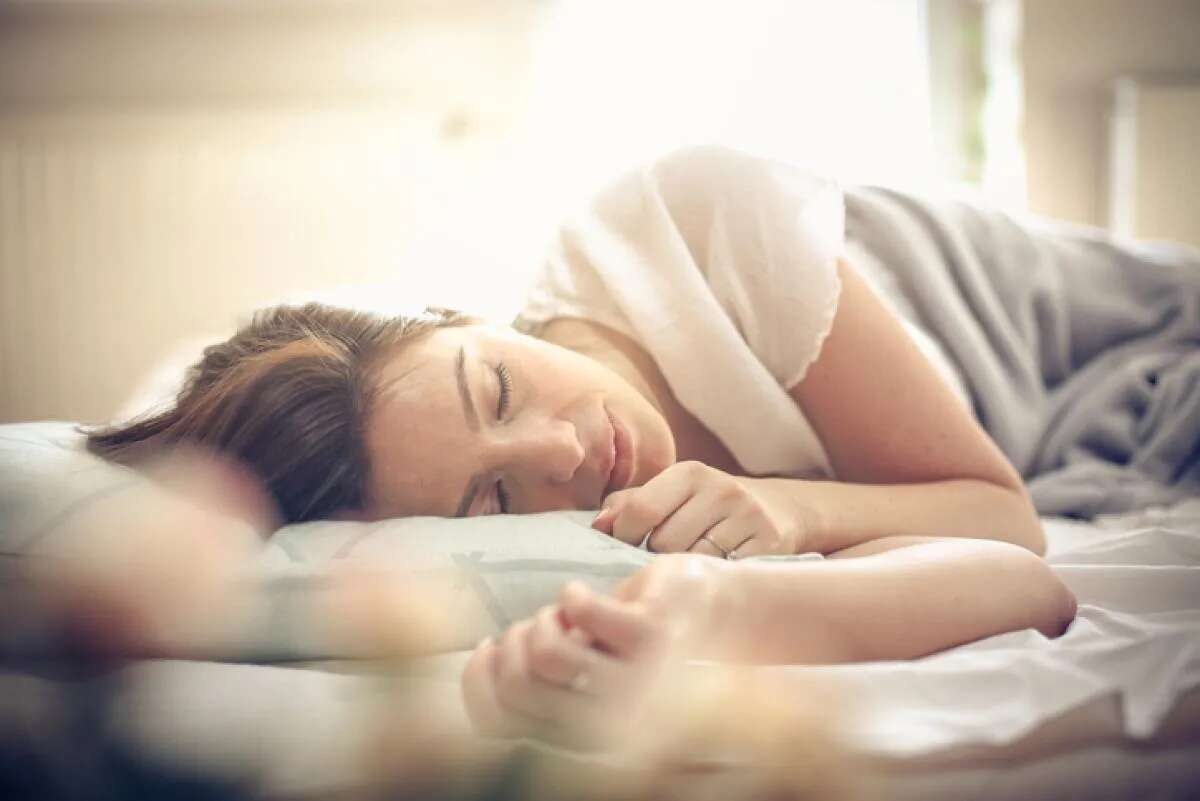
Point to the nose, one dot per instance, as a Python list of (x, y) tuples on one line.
[(547, 449)]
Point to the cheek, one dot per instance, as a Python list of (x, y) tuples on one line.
[(656, 440), (416, 472)]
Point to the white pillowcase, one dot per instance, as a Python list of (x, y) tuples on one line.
[(45, 477), (502, 568), (499, 568)]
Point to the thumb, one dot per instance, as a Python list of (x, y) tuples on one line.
[(618, 627), (604, 521), (608, 511)]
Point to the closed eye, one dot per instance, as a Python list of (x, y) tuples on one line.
[(505, 379), (504, 401)]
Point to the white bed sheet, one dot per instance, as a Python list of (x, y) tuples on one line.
[(1136, 638), (1134, 649)]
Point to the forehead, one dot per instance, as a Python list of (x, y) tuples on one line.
[(415, 432)]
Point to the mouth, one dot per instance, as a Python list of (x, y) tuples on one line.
[(621, 470)]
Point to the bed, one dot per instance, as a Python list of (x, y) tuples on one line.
[(1082, 357), (1109, 710)]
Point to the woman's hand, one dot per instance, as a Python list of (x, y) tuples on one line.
[(699, 509), (679, 605), (585, 669), (549, 678), (542, 678)]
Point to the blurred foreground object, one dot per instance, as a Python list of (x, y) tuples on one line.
[(102, 694)]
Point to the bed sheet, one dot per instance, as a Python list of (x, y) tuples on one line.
[(1084, 715), (1136, 638)]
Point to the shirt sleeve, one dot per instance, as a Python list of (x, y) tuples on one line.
[(766, 235)]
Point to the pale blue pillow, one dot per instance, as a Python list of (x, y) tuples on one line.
[(503, 567), (46, 477)]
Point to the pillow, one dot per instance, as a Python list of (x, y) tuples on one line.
[(501, 568), (46, 476)]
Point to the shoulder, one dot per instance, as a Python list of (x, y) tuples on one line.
[(694, 194), (715, 171), (722, 244), (738, 211)]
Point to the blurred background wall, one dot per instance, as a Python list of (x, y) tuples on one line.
[(167, 167), (1112, 113)]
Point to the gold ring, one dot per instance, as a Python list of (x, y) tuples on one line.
[(724, 553)]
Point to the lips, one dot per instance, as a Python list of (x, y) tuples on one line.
[(622, 464)]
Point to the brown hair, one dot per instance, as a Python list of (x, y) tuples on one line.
[(287, 396)]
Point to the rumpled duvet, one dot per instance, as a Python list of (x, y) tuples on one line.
[(1081, 352)]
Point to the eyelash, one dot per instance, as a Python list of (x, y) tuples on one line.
[(505, 397), (505, 388)]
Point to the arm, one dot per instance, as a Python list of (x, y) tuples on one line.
[(598, 658), (838, 515), (909, 458), (901, 598)]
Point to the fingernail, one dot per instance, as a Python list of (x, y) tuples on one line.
[(602, 520)]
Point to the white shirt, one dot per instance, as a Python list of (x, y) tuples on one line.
[(723, 266)]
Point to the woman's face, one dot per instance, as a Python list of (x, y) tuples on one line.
[(480, 420)]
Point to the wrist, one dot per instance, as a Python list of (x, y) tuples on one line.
[(806, 512), (731, 619), (762, 604)]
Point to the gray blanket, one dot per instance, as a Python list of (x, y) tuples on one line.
[(1081, 352)]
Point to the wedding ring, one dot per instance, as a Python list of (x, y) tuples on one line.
[(724, 553)]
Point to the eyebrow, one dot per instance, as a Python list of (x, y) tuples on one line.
[(472, 418)]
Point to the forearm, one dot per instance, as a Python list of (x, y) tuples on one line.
[(900, 604), (840, 515)]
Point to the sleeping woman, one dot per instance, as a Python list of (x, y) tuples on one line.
[(700, 361)]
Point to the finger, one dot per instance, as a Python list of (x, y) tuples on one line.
[(724, 539), (567, 659), (621, 628), (704, 547), (551, 650), (556, 655), (686, 525), (520, 692), (603, 521), (635, 512), (479, 692), (754, 545)]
